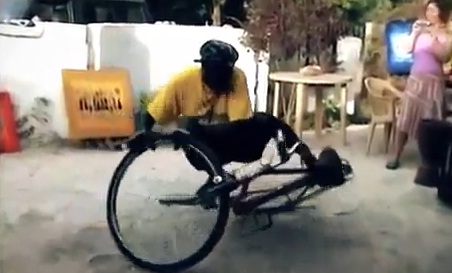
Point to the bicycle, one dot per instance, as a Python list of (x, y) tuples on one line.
[(329, 171)]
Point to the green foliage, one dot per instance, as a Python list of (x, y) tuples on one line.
[(145, 98), (332, 111), (361, 11), (193, 12), (402, 10), (355, 11)]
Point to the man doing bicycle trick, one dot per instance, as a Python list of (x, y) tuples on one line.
[(213, 109), (212, 102)]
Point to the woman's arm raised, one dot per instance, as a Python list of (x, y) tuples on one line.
[(416, 29), (442, 48)]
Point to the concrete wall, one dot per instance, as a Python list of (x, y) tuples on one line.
[(31, 60), (351, 63), (152, 53), (30, 68)]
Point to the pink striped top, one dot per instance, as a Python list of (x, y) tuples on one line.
[(424, 60)]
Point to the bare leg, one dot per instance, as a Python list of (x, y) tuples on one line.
[(401, 140)]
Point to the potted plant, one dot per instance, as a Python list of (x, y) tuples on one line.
[(144, 99)]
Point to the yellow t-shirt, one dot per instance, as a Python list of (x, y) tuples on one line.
[(185, 95)]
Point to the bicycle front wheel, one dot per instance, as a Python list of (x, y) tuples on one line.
[(169, 258)]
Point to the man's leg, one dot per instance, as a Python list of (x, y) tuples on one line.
[(290, 138), (243, 141)]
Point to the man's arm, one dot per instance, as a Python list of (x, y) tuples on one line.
[(165, 107), (239, 104)]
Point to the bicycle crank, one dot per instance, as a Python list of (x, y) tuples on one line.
[(187, 200), (179, 199)]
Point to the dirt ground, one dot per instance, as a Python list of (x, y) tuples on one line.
[(52, 218)]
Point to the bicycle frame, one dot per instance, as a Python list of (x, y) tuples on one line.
[(243, 207), (323, 172), (228, 183)]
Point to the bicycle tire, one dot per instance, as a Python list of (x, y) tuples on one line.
[(202, 252)]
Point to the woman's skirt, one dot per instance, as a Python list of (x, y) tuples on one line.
[(423, 99)]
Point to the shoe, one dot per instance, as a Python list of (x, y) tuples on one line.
[(393, 164)]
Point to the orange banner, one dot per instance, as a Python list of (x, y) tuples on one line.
[(99, 104)]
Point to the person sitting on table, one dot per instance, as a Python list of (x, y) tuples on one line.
[(431, 45)]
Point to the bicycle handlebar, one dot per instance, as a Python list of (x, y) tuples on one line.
[(147, 139)]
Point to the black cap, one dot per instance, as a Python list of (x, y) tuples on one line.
[(218, 51)]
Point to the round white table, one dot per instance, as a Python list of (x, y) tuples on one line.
[(316, 83)]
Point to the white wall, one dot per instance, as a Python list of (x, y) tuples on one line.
[(31, 67), (349, 55), (152, 53)]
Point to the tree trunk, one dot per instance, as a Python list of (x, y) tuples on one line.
[(216, 15)]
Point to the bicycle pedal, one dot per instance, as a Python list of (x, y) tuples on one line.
[(178, 199), (260, 222)]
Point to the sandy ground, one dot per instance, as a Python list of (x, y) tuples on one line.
[(52, 209)]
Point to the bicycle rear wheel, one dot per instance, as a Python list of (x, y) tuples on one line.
[(221, 210)]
